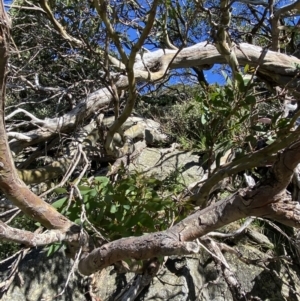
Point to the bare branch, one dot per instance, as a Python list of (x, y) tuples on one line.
[(33, 118), (275, 22), (31, 239), (258, 158), (263, 200), (76, 42), (45, 6), (244, 226), (131, 79), (10, 184), (285, 68), (102, 8)]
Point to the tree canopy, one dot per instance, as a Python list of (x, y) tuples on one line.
[(87, 85)]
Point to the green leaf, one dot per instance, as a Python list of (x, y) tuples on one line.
[(189, 109), (132, 221), (83, 188), (246, 116), (246, 68), (224, 146), (102, 180), (113, 208), (108, 198), (130, 189), (154, 207), (283, 122), (250, 99), (229, 93), (251, 139), (146, 220), (77, 221), (275, 117), (53, 248), (93, 193), (60, 190), (203, 119), (153, 181), (59, 203), (85, 192), (240, 82)]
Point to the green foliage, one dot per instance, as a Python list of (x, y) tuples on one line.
[(215, 120), (53, 248), (132, 206)]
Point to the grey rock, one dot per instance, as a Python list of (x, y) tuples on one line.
[(158, 163), (41, 277), (179, 279)]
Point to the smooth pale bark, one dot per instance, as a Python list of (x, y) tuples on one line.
[(134, 127), (279, 68), (274, 18)]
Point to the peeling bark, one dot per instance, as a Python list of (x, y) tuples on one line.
[(34, 239), (10, 184), (268, 200)]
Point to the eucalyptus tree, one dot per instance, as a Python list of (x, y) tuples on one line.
[(65, 63)]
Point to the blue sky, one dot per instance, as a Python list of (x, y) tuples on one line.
[(211, 75), (7, 2)]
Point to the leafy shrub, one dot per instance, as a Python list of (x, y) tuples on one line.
[(132, 206)]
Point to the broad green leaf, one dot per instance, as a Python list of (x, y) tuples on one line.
[(146, 220), (53, 248), (113, 208), (60, 190), (130, 190), (283, 122), (240, 82), (59, 203), (246, 116), (250, 99), (102, 180), (275, 117), (85, 192)]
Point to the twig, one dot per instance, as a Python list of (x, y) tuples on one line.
[(4, 285), (67, 175), (246, 224), (12, 217), (35, 119)]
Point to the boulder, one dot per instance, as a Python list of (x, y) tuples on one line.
[(180, 278), (161, 164)]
